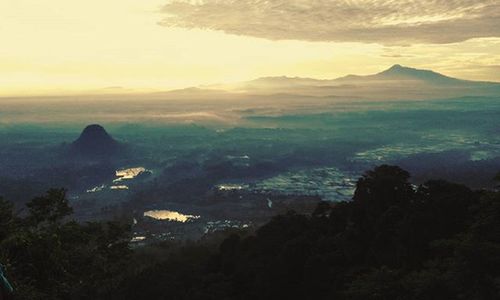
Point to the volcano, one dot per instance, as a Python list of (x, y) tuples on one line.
[(94, 141)]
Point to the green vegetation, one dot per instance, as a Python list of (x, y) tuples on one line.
[(393, 241), (49, 257)]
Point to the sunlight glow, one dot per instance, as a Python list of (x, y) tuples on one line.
[(118, 46)]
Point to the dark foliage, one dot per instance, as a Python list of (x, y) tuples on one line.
[(393, 241), (48, 256)]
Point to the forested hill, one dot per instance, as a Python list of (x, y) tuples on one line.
[(392, 241)]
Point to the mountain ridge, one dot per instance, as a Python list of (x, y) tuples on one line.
[(394, 73), (395, 83), (399, 72)]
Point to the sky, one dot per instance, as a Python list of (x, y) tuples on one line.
[(75, 46)]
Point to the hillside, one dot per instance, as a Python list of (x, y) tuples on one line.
[(392, 241)]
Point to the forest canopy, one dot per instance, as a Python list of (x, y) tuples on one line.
[(394, 240)]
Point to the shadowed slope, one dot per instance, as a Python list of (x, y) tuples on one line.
[(94, 141)]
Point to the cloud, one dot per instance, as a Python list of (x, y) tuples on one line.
[(380, 21)]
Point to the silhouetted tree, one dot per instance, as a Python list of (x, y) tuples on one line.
[(50, 208), (393, 241)]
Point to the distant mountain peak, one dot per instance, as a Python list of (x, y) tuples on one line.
[(397, 67), (94, 141), (400, 72), (94, 130)]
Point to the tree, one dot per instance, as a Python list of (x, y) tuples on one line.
[(50, 256), (382, 187), (51, 208), (6, 218)]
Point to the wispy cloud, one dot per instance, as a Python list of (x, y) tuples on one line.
[(381, 21)]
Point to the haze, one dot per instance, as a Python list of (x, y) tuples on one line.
[(60, 47), (249, 149)]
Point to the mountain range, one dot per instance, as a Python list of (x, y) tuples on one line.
[(396, 83)]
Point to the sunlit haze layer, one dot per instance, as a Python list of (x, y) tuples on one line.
[(123, 46)]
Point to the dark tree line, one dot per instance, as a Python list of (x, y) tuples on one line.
[(392, 241), (48, 256)]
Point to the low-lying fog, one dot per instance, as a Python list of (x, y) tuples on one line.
[(236, 163)]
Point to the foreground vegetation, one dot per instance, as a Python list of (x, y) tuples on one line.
[(393, 241)]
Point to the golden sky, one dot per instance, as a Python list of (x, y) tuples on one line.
[(72, 46)]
